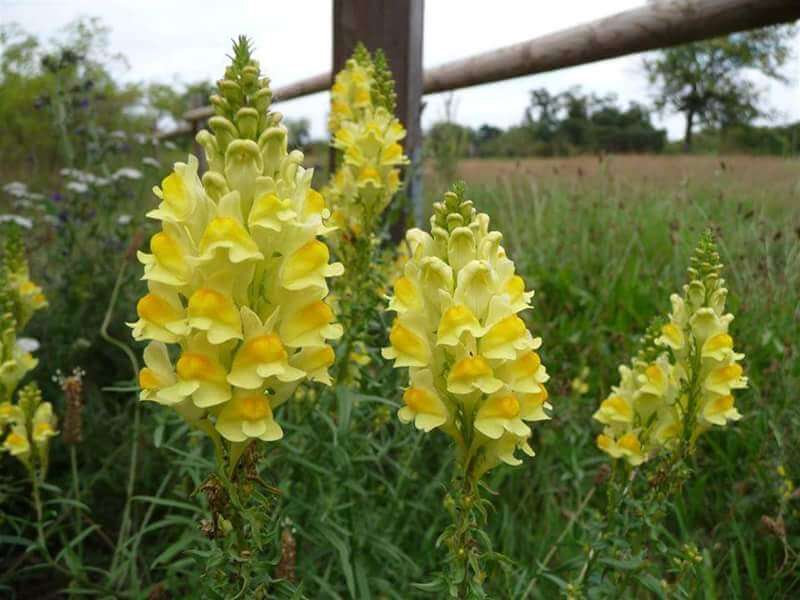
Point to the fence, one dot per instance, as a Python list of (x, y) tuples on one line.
[(397, 27)]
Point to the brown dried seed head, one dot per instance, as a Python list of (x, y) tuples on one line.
[(775, 526), (603, 472), (73, 420), (286, 566)]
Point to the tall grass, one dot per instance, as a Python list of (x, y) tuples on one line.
[(362, 494), (603, 263)]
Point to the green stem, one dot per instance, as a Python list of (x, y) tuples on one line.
[(37, 503), (76, 487), (462, 543), (125, 525)]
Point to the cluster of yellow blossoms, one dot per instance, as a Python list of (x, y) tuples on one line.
[(31, 422), (368, 135), (237, 274), (681, 384), (474, 371)]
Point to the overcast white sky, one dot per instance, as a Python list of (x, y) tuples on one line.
[(178, 40)]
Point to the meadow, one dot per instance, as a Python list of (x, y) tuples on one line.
[(361, 494), (124, 476), (604, 250)]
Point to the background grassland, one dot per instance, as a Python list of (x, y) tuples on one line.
[(363, 493), (604, 251)]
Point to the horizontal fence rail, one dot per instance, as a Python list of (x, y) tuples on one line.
[(661, 24)]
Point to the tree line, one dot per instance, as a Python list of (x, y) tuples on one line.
[(709, 83)]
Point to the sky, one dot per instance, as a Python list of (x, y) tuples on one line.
[(184, 41)]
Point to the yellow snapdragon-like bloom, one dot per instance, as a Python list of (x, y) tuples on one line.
[(237, 275), (17, 443), (682, 383), (31, 425), (20, 298), (474, 370), (369, 139)]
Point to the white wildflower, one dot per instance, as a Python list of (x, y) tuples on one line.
[(16, 188), (28, 344), (19, 220), (127, 173), (78, 187)]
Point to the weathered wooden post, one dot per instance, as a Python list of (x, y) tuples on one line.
[(395, 26)]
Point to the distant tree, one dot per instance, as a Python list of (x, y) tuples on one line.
[(574, 121), (706, 81), (57, 97), (542, 116), (445, 143), (486, 133), (299, 132), (173, 100)]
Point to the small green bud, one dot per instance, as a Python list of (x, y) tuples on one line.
[(231, 91), (221, 106), (224, 131), (262, 99), (215, 184), (250, 75), (247, 123)]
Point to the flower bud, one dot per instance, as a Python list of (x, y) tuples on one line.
[(221, 106), (262, 100), (231, 91), (224, 131), (247, 122)]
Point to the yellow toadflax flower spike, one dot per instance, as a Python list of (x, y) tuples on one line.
[(28, 423), (369, 139), (473, 366), (681, 383), (236, 312)]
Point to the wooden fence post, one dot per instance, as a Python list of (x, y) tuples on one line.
[(395, 26)]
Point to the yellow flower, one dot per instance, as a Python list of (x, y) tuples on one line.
[(422, 403), (248, 415), (226, 231), (262, 355), (410, 347), (681, 383), (627, 446), (503, 450), (16, 443), (162, 316), (237, 274), (183, 199), (718, 410), (43, 424), (308, 266), (168, 261), (472, 373), (459, 331), (310, 325), (615, 409), (10, 414), (456, 321), (158, 374), (368, 136), (501, 412), (215, 312), (315, 362)]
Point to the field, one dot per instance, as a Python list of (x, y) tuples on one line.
[(603, 243), (760, 177)]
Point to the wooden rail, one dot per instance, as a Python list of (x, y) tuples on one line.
[(656, 25)]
